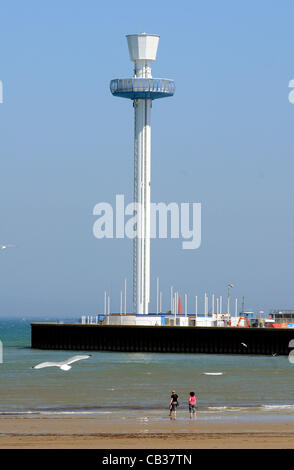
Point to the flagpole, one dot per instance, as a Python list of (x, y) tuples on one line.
[(157, 295)]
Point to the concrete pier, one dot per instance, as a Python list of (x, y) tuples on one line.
[(164, 339)]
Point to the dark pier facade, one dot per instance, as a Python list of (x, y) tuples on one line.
[(163, 339)]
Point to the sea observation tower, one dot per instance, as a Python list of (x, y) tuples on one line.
[(142, 89)]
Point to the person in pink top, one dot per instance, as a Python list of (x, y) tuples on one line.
[(192, 405)]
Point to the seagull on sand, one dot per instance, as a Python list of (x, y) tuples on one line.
[(64, 365)]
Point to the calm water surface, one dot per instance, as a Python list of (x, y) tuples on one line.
[(138, 381)]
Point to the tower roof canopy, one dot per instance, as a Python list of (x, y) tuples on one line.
[(143, 46)]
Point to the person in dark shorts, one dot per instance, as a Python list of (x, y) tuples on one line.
[(192, 405), (173, 404)]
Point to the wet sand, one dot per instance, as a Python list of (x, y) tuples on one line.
[(97, 433), (163, 441)]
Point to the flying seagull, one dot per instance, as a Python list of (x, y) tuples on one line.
[(245, 345), (64, 365), (4, 247), (213, 373)]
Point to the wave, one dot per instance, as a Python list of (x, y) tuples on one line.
[(277, 407), (153, 410), (250, 408), (229, 408)]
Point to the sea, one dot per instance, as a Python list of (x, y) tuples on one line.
[(139, 383)]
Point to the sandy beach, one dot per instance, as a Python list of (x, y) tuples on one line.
[(93, 433)]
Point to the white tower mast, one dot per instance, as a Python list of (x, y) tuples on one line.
[(142, 89), (142, 49)]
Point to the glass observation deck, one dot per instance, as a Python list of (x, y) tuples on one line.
[(142, 88)]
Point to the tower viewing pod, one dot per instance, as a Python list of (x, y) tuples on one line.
[(142, 89)]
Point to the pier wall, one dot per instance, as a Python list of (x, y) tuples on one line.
[(163, 339)]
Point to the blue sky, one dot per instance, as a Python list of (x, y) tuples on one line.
[(225, 140)]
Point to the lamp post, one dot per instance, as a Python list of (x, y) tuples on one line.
[(157, 295), (125, 296), (229, 295)]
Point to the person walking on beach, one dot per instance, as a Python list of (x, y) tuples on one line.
[(192, 405), (173, 405)]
